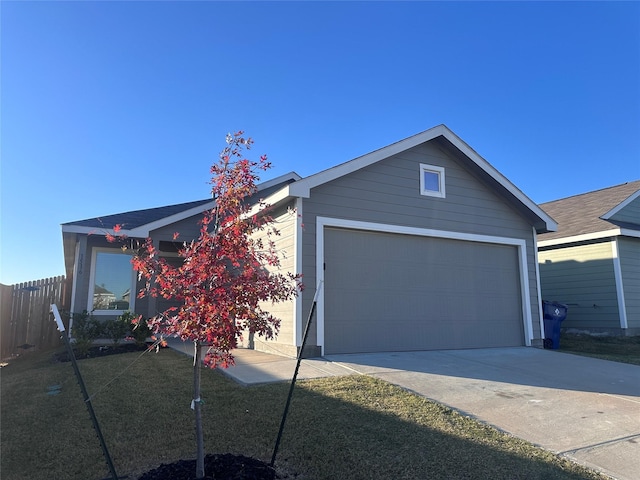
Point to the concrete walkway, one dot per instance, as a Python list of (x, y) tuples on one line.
[(583, 408)]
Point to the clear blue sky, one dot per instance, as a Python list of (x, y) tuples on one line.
[(115, 106)]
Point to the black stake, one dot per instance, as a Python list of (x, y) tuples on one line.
[(295, 376), (87, 399)]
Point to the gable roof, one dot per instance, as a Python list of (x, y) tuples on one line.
[(589, 215), (135, 219), (449, 141), (138, 223)]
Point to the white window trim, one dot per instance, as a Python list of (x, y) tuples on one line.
[(441, 193), (92, 278)]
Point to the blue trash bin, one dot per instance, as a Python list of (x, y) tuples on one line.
[(554, 314)]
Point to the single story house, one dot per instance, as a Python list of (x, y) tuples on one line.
[(419, 245), (592, 262)]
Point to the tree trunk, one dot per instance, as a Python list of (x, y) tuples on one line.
[(197, 368)]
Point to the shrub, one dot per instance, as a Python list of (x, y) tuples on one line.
[(85, 329), (117, 328), (137, 326)]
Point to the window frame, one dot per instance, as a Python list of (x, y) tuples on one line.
[(92, 283), (441, 192)]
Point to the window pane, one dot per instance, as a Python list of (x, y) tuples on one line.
[(431, 181), (112, 289)]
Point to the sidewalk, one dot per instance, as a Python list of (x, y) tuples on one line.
[(253, 367)]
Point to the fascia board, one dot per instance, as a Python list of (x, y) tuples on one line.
[(144, 230), (90, 230), (626, 232), (620, 206), (282, 178), (551, 224), (271, 200), (303, 187), (583, 238)]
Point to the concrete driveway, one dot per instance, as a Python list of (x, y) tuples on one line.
[(580, 407), (583, 408)]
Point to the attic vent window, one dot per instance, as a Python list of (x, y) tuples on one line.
[(432, 181)]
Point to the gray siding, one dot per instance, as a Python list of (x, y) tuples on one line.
[(629, 252), (285, 222), (583, 277), (388, 192), (189, 229), (629, 214)]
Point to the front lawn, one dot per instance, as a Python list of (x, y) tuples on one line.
[(352, 427), (617, 349)]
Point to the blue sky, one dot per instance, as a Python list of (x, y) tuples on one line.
[(114, 106)]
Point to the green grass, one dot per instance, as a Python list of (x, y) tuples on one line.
[(353, 427), (617, 349)]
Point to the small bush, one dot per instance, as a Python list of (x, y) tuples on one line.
[(137, 326), (85, 329), (117, 328)]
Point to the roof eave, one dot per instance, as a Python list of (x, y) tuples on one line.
[(586, 237), (302, 188)]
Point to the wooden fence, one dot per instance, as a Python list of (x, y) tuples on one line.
[(25, 322)]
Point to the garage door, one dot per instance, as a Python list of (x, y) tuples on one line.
[(393, 292)]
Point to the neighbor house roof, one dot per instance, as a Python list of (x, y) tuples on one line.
[(589, 215)]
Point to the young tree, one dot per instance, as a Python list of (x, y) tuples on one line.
[(227, 277)]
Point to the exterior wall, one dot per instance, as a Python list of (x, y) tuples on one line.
[(284, 344), (629, 214), (583, 277), (388, 192), (629, 253), (82, 269), (189, 229)]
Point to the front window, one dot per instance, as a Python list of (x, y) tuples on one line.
[(112, 280)]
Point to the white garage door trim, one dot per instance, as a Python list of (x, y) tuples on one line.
[(322, 222)]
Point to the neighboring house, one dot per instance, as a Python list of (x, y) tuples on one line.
[(592, 262), (420, 245)]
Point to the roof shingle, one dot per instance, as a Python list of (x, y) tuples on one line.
[(581, 214)]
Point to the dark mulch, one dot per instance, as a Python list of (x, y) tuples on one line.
[(218, 467), (102, 351)]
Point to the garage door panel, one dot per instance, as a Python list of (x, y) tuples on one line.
[(390, 292)]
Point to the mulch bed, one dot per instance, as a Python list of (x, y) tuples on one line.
[(219, 467), (102, 351)]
